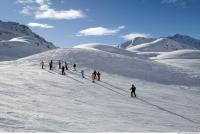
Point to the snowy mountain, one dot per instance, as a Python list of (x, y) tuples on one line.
[(159, 45), (164, 44), (135, 41), (18, 41), (184, 39)]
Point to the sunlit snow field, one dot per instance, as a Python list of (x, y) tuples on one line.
[(36, 100)]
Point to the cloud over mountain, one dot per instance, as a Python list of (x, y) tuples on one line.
[(99, 31)]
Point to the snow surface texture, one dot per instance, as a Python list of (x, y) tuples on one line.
[(18, 41), (36, 100)]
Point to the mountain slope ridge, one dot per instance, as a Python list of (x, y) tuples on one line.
[(18, 41)]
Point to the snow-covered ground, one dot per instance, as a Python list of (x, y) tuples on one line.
[(36, 100)]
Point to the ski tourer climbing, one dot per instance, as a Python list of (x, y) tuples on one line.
[(50, 65), (82, 73), (95, 74), (98, 76), (93, 77), (59, 64), (133, 88), (42, 63), (66, 66), (74, 66), (63, 70)]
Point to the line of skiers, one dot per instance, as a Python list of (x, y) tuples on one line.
[(95, 75)]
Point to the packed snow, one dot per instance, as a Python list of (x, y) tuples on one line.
[(40, 100)]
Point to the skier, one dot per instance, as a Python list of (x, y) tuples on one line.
[(63, 70), (66, 66), (74, 67), (93, 77), (95, 74), (98, 76), (59, 63), (133, 88), (50, 65), (82, 73), (42, 63)]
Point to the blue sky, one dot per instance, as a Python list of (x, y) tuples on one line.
[(70, 22)]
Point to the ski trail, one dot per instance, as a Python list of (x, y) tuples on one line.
[(168, 111), (54, 72), (112, 87)]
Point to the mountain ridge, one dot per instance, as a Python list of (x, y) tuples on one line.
[(17, 41), (181, 40)]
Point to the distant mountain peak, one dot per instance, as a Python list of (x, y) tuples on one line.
[(17, 40), (185, 39), (176, 42)]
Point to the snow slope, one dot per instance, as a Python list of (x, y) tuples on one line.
[(180, 54), (187, 61), (107, 48), (18, 41), (36, 100), (124, 65)]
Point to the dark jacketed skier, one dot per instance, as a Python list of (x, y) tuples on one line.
[(82, 73), (59, 64), (63, 70), (74, 66), (93, 77), (133, 88), (42, 63), (98, 76), (95, 74), (51, 65), (66, 66)]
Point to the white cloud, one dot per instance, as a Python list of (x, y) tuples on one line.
[(45, 11), (33, 24), (27, 10), (179, 3), (24, 1), (99, 31), (170, 1), (63, 14), (134, 35)]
